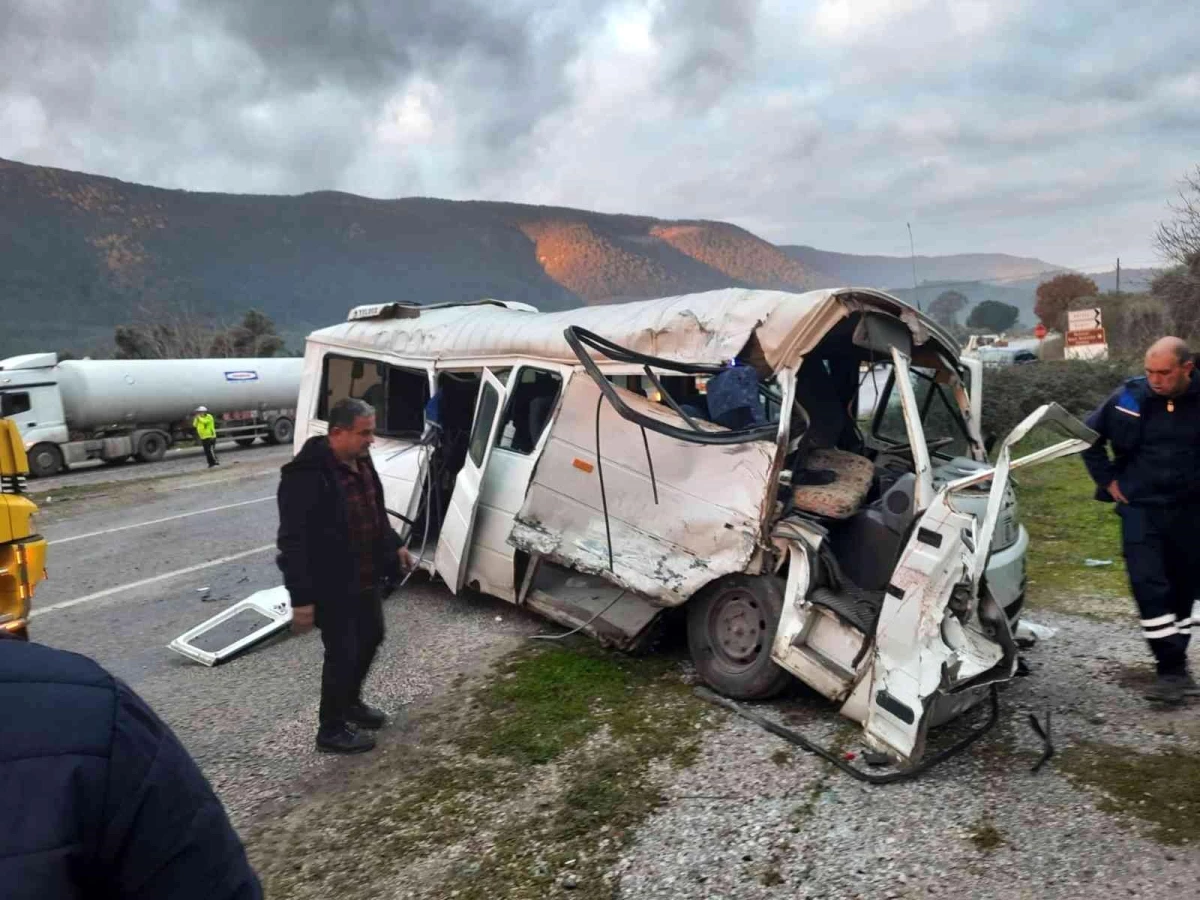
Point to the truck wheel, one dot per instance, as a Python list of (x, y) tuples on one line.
[(731, 627), (243, 442), (281, 431), (151, 446), (44, 460)]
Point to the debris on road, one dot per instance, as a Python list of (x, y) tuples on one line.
[(245, 619), (1029, 633)]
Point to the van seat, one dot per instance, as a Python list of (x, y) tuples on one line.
[(845, 494)]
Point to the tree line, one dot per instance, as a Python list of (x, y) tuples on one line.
[(174, 333), (1132, 320)]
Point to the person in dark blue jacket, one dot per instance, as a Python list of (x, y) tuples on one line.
[(98, 799), (1153, 426)]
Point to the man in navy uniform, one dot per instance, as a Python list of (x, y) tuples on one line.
[(1153, 425)]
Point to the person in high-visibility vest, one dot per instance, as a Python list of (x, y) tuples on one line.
[(206, 430)]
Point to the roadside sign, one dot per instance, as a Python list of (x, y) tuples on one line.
[(1091, 336), (1039, 331), (1083, 319)]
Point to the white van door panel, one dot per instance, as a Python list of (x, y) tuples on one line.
[(402, 467), (454, 541), (490, 562), (678, 514)]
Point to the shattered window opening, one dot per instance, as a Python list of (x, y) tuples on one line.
[(527, 412), (488, 402), (580, 339), (397, 394), (941, 419)]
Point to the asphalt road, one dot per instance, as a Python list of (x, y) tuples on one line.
[(135, 563), (176, 462)]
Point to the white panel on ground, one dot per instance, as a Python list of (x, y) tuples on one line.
[(242, 625)]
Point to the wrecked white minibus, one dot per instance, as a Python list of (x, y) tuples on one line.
[(605, 465)]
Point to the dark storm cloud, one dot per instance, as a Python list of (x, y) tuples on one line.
[(189, 93), (1052, 130), (709, 45)]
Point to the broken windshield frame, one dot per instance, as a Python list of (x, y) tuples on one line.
[(932, 398), (580, 339)]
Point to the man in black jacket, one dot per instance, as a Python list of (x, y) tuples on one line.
[(1153, 425), (98, 799), (335, 547)]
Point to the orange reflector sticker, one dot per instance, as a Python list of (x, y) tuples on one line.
[(582, 464)]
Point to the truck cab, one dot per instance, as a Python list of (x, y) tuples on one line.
[(22, 549), (30, 399)]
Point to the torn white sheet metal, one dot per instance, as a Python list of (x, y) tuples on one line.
[(667, 542), (272, 606), (922, 466), (913, 660), (710, 327), (1080, 438), (811, 641), (922, 653)]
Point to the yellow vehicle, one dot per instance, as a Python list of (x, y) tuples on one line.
[(22, 550)]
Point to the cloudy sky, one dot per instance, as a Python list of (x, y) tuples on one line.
[(1053, 129)]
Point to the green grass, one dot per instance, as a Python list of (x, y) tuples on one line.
[(986, 836), (548, 699), (548, 765), (547, 703), (1161, 789), (1066, 526)]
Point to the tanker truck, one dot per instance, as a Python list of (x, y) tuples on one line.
[(113, 410)]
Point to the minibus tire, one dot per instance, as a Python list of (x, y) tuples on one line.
[(731, 627)]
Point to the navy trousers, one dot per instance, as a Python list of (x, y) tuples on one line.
[(1163, 560)]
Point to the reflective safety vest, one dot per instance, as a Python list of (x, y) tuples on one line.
[(205, 426)]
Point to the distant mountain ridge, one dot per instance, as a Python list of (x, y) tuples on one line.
[(897, 271), (978, 276), (80, 254)]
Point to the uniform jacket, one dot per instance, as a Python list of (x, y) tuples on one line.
[(1155, 451), (205, 426)]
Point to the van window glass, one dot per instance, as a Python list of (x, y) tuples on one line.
[(489, 400), (397, 394), (530, 401), (940, 417), (13, 403)]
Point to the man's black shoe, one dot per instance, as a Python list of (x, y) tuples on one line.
[(344, 740), (1168, 690), (367, 716)]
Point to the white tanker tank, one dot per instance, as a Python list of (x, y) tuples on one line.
[(113, 409), (98, 393)]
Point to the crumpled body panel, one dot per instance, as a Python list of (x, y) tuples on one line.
[(696, 518)]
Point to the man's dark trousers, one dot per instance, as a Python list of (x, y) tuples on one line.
[(210, 452), (1163, 560), (352, 630)]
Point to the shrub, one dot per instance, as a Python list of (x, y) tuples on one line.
[(1010, 393)]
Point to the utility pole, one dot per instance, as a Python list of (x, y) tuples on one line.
[(913, 255), (1118, 276)]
